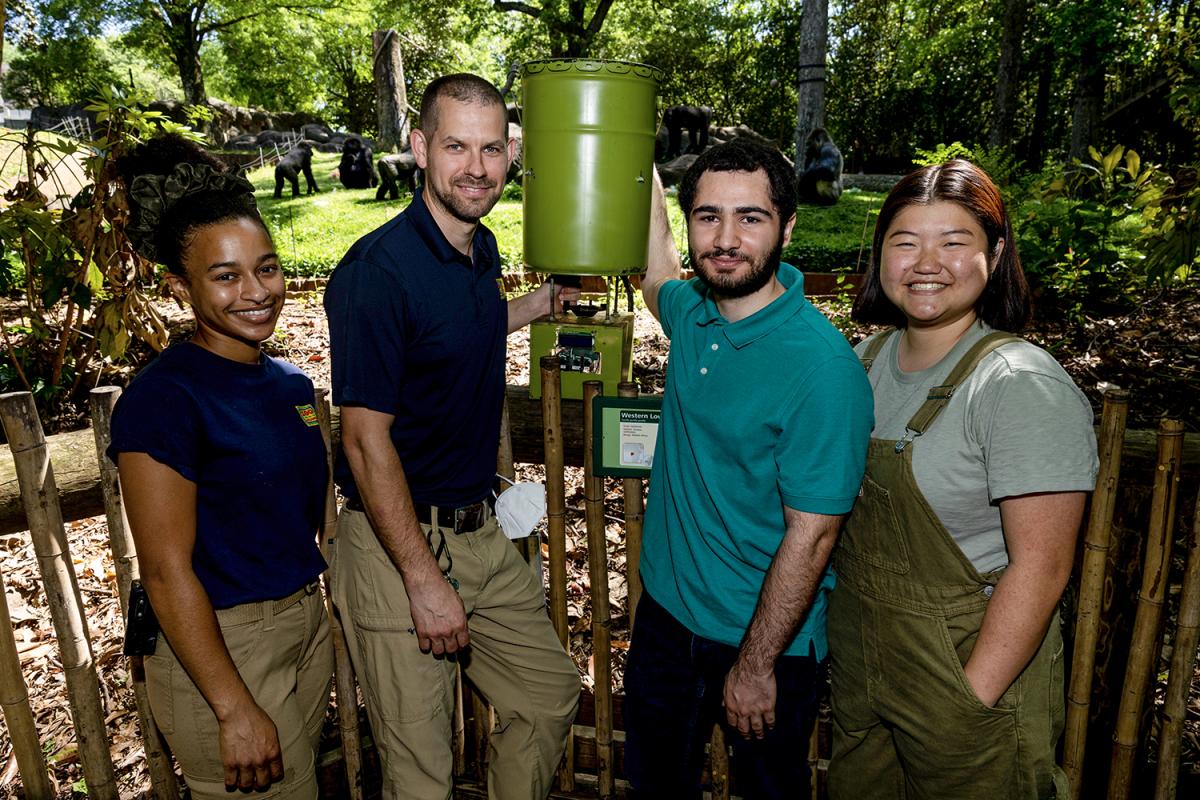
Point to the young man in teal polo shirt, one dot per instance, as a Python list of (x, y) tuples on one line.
[(761, 451)]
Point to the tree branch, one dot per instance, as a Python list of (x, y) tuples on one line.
[(598, 18), (524, 8)]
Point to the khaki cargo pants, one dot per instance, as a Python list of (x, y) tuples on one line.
[(285, 657), (515, 660)]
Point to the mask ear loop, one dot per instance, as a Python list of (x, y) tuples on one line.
[(509, 481)]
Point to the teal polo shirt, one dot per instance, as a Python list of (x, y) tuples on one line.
[(768, 411)]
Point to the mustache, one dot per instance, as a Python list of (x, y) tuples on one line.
[(721, 252), (474, 184)]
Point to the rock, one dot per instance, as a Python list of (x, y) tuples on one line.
[(672, 171)]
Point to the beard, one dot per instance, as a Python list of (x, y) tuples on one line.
[(729, 286), (469, 211)]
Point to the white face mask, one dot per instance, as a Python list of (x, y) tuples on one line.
[(520, 507)]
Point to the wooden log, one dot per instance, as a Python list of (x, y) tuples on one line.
[(551, 420), (18, 716), (79, 479), (458, 724), (593, 503), (635, 515), (40, 497), (1144, 646), (162, 773), (483, 721), (344, 686), (1091, 589), (1183, 660)]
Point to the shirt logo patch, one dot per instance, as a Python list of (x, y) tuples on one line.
[(308, 414)]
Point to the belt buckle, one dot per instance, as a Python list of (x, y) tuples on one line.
[(460, 515)]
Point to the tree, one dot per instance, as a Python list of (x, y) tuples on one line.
[(570, 29), (1008, 71), (810, 86), (390, 95), (59, 59), (180, 27)]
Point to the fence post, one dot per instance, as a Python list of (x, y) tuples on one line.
[(635, 515), (39, 494), (343, 670), (556, 527), (14, 700), (593, 501), (1144, 644), (125, 564), (1091, 586), (1183, 659)]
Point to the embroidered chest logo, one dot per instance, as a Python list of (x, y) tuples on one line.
[(308, 414)]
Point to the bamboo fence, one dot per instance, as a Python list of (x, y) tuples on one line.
[(1091, 589), (1144, 646), (39, 494), (1183, 664)]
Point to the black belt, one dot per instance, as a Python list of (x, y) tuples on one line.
[(464, 519)]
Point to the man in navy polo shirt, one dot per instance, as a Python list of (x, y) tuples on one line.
[(422, 575), (762, 446)]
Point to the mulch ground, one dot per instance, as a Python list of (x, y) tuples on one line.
[(1153, 350)]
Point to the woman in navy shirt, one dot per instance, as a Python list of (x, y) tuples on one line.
[(223, 471)]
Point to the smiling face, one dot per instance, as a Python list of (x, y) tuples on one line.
[(734, 232), (465, 158), (234, 286), (935, 264)]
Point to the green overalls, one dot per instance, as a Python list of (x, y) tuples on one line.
[(902, 622)]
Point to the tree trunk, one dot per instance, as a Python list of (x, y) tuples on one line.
[(1089, 94), (390, 94), (1036, 147), (1008, 72), (810, 87), (3, 25), (184, 40)]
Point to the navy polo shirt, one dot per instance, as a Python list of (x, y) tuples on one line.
[(247, 435), (417, 330)]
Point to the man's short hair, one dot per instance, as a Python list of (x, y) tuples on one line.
[(743, 155), (461, 86)]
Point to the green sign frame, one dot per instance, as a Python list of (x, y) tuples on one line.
[(624, 433)]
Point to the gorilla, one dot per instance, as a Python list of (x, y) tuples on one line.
[(394, 169), (298, 160), (357, 167), (696, 119), (821, 181)]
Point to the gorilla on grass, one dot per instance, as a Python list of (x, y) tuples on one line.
[(357, 168), (289, 168), (395, 170), (821, 180)]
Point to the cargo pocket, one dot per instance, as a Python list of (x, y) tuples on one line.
[(405, 684)]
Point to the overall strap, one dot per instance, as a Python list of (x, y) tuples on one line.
[(873, 348), (939, 396)]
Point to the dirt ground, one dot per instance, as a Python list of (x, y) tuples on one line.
[(1153, 351)]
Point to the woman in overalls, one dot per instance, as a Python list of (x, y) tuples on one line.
[(943, 629), (223, 470)]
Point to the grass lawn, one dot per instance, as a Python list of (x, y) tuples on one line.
[(313, 232)]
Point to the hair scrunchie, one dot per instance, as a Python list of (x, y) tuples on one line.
[(155, 195)]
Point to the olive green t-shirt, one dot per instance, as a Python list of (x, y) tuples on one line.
[(1018, 425)]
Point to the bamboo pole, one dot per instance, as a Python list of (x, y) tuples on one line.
[(14, 700), (484, 720), (1091, 589), (39, 495), (458, 732), (556, 527), (593, 500), (635, 515), (343, 671), (1144, 645), (162, 773), (718, 760), (1183, 659)]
